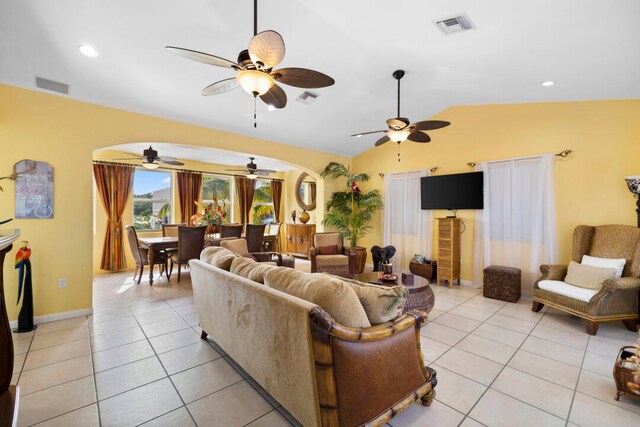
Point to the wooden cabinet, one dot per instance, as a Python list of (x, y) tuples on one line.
[(299, 239), (448, 250)]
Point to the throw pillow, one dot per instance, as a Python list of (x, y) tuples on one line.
[(335, 296), (618, 264), (587, 276), (218, 257), (250, 269), (328, 250)]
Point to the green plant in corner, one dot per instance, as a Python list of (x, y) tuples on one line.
[(350, 211)]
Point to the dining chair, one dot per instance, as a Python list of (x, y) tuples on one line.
[(254, 233), (231, 230), (141, 255), (170, 230), (190, 244), (273, 231)]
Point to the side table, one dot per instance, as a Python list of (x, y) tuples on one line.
[(421, 296)]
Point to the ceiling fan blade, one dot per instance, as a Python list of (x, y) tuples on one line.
[(265, 171), (417, 136), (203, 57), (166, 158), (398, 123), (276, 97), (266, 49), (302, 77), (261, 172), (430, 125), (220, 87), (382, 140), (130, 158), (172, 162), (367, 133), (236, 170)]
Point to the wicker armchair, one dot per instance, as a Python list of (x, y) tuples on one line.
[(342, 263), (618, 298)]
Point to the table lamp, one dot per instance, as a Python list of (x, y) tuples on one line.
[(633, 182)]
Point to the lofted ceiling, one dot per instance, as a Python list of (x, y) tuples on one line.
[(586, 46)]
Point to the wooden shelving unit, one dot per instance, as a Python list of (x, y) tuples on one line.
[(448, 250)]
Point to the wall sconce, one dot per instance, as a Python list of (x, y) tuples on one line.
[(633, 182)]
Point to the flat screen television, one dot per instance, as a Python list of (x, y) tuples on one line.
[(456, 191)]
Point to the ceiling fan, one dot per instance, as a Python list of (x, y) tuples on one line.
[(252, 171), (400, 128), (255, 71), (150, 159)]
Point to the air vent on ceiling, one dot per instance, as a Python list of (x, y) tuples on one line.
[(307, 97), (52, 86), (454, 24)]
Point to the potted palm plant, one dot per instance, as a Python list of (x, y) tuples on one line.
[(351, 210)]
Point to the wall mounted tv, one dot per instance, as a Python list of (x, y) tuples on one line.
[(457, 191)]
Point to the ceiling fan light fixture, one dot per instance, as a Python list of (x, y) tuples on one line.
[(398, 135), (150, 165), (88, 50), (548, 83), (255, 82), (252, 176)]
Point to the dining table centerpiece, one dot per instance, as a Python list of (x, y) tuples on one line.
[(213, 215)]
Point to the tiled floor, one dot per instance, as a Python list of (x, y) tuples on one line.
[(139, 360)]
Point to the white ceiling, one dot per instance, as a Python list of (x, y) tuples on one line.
[(586, 46)]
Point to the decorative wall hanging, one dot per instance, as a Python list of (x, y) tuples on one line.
[(34, 189)]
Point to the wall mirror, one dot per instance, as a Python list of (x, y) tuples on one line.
[(306, 192)]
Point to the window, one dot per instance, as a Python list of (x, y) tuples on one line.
[(262, 207), (152, 199), (219, 187)]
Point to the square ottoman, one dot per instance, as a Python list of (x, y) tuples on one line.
[(502, 283)]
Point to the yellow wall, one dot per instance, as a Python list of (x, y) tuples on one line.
[(589, 184), (65, 133)]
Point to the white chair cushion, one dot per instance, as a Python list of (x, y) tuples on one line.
[(593, 261), (561, 288)]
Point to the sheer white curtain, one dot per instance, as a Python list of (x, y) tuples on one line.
[(406, 226), (517, 227)]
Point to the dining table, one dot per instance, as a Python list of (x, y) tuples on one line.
[(153, 245)]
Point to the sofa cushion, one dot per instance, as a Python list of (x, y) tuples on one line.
[(561, 288), (618, 264), (332, 260), (218, 257), (328, 239), (250, 269), (587, 276), (381, 303), (335, 296), (328, 250), (238, 246)]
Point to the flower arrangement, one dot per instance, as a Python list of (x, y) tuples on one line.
[(213, 214)]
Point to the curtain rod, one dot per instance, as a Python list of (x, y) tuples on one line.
[(179, 170), (563, 153), (432, 170)]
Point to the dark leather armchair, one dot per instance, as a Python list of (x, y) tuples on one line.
[(341, 263), (141, 256), (231, 230), (254, 233), (190, 244)]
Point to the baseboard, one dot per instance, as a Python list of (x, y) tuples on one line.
[(56, 316), (469, 283)]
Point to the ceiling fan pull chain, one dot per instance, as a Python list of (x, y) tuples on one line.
[(255, 124), (398, 142)]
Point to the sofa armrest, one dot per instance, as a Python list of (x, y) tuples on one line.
[(617, 297), (551, 272), (352, 259)]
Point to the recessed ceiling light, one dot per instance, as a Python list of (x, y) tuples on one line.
[(547, 83), (88, 50), (271, 107)]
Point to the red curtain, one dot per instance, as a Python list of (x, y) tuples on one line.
[(114, 183), (189, 190), (244, 190), (276, 194)]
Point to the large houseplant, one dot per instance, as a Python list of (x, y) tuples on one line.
[(351, 210)]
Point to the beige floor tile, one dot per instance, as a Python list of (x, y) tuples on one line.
[(537, 392), (202, 380), (149, 317), (432, 349), (140, 405), (114, 325), (164, 327), (470, 422), (14, 379), (124, 354), (56, 353), (590, 412), (177, 418), (59, 337), (149, 306), (602, 365), (480, 301), (434, 314), (545, 368), (452, 298), (469, 365), (442, 333), (61, 325), (21, 343), (55, 401), (23, 334), (457, 391), (552, 350), (116, 339), (457, 322), (18, 362), (85, 417), (236, 405), (191, 319), (187, 357), (444, 306), (173, 340), (473, 312), (185, 309), (511, 323), (604, 388), (52, 375), (615, 331), (106, 314), (499, 334), (126, 377), (417, 415), (560, 320), (177, 302), (499, 410), (520, 312), (561, 336), (610, 346), (272, 419), (486, 348)]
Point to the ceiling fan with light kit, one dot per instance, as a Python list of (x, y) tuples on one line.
[(401, 129), (151, 160), (252, 171), (255, 69)]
